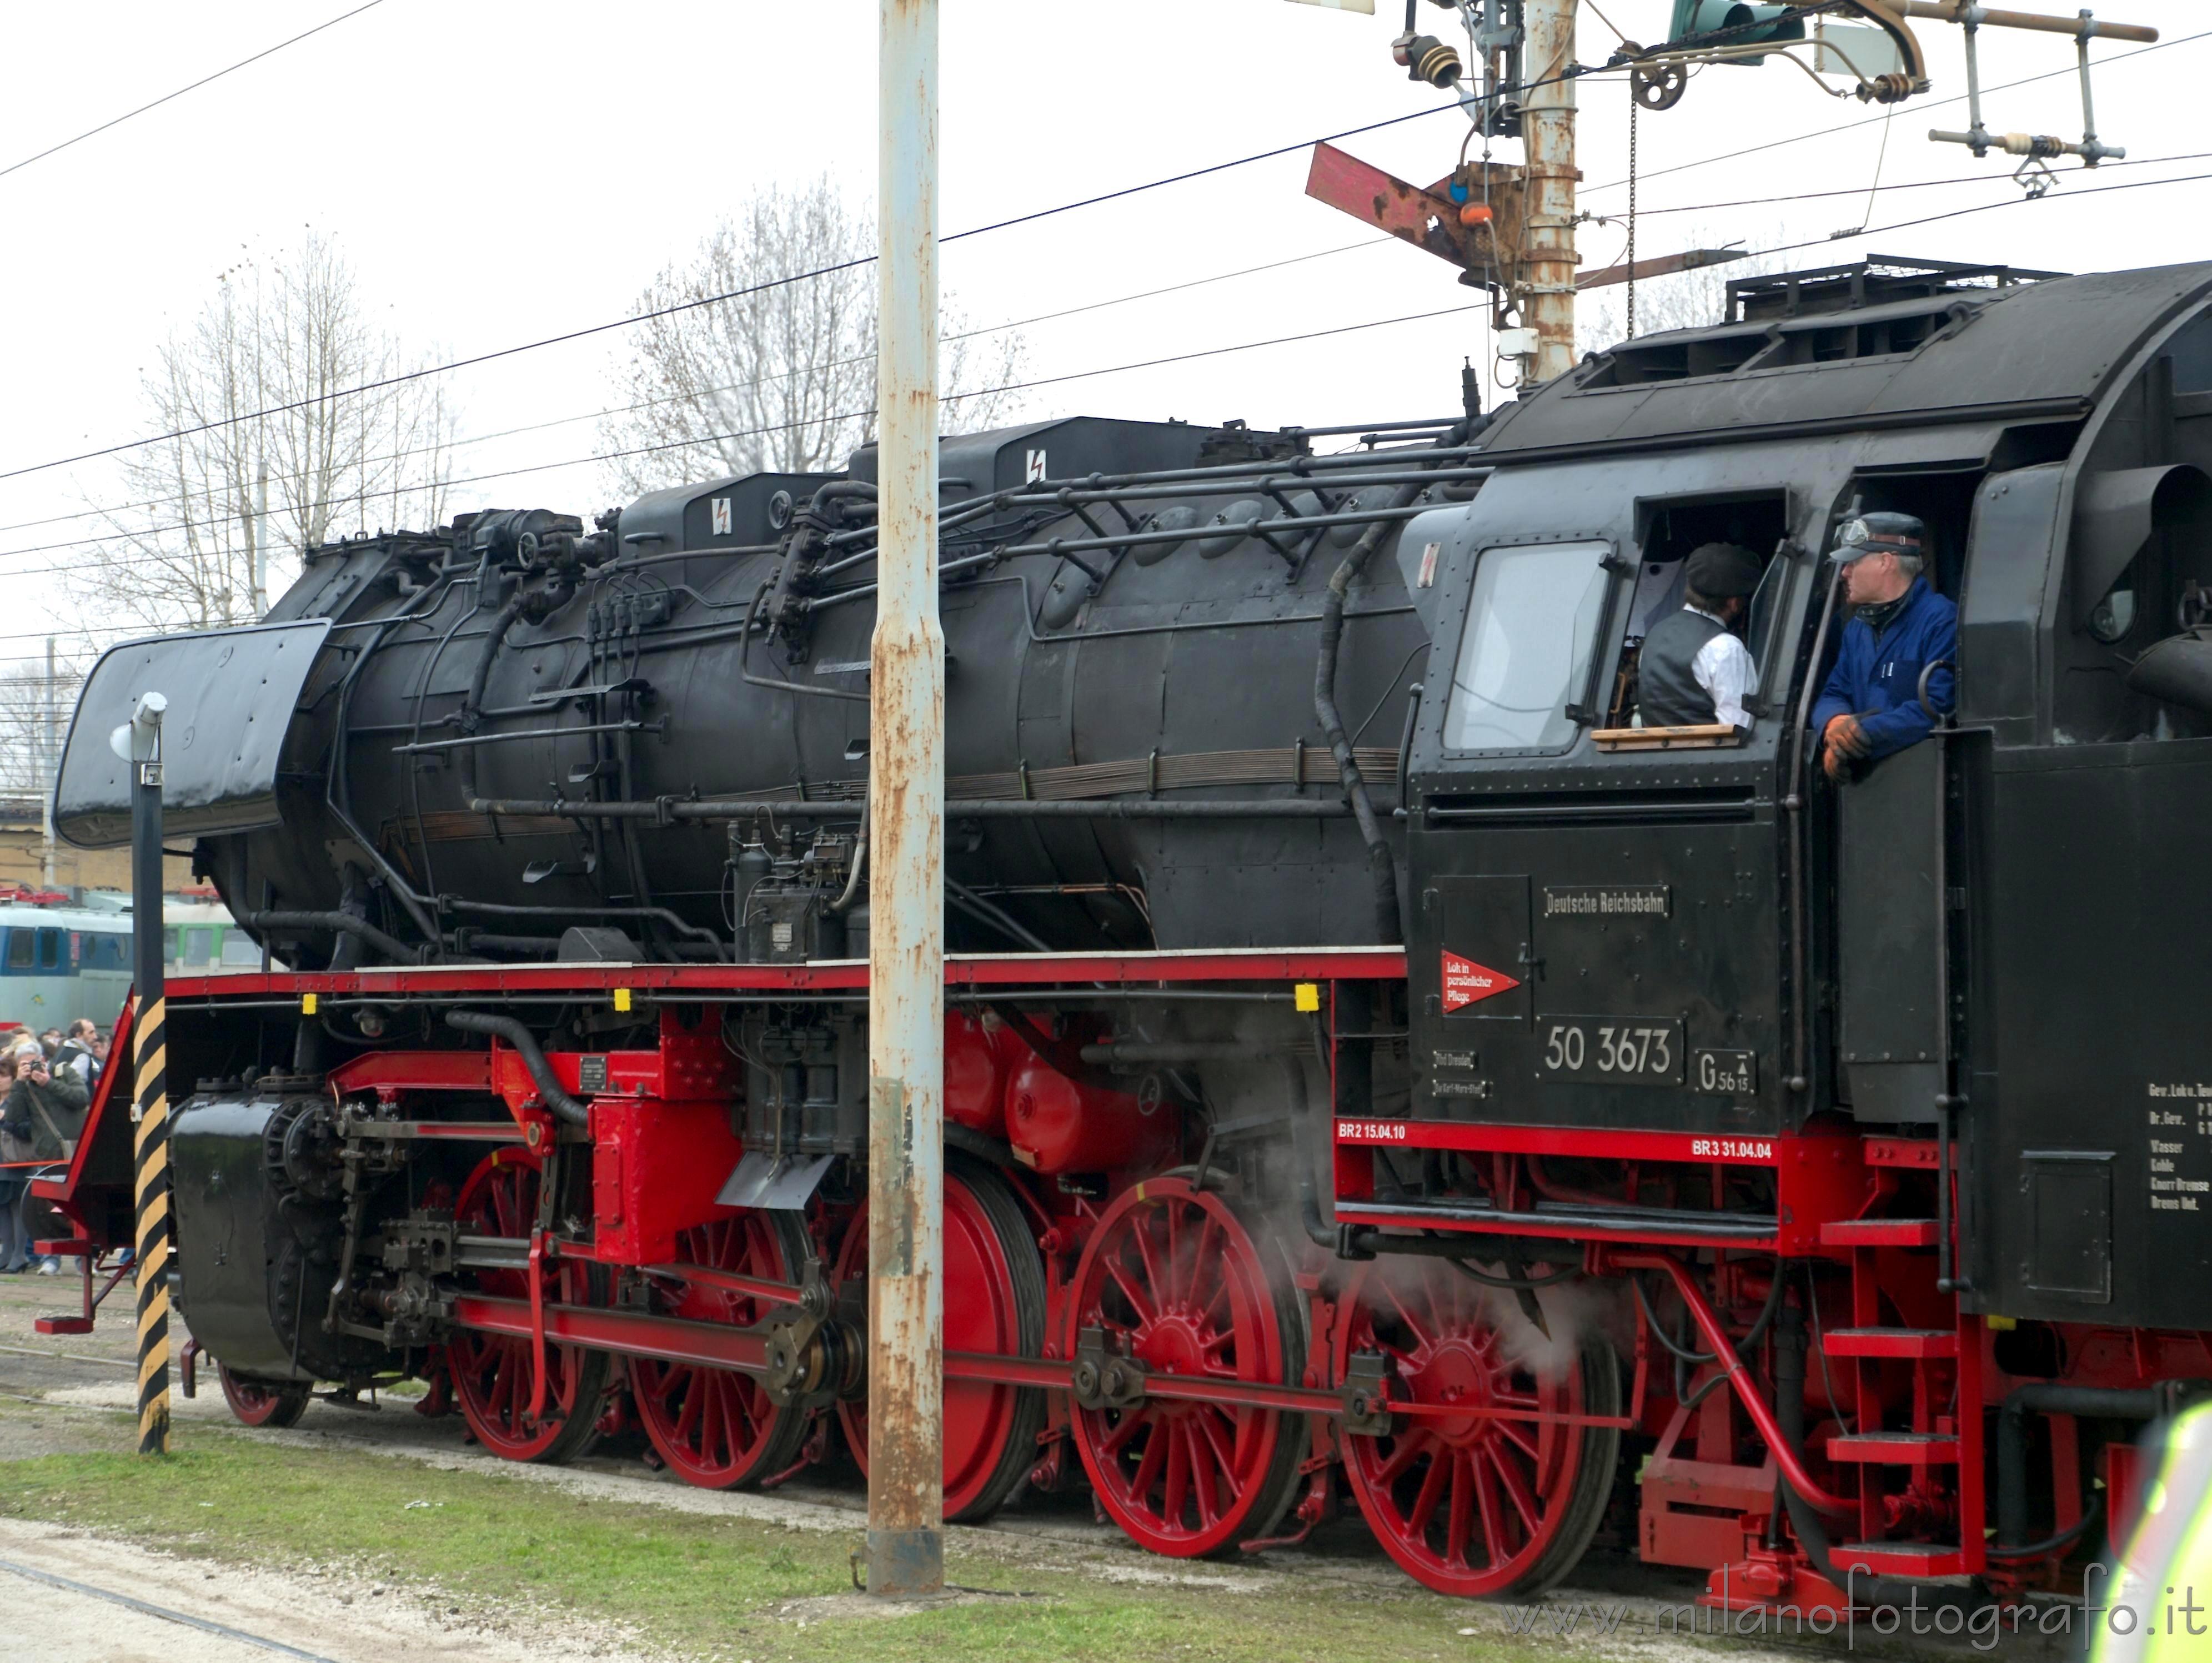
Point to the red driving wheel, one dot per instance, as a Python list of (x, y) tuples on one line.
[(716, 1428), (1177, 1279), (492, 1373), (994, 1292), (263, 1403), (1476, 1503)]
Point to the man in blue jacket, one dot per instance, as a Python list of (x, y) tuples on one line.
[(1871, 706)]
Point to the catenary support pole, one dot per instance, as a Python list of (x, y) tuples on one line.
[(1547, 289), (906, 902), (150, 1109)]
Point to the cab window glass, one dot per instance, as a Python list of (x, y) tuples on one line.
[(169, 945), (50, 949), (1532, 618), (22, 950), (199, 945), (237, 947)]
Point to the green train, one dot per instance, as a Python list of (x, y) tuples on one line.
[(62, 961)]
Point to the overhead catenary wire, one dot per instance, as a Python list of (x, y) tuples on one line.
[(99, 512), (1089, 307), (980, 392), (587, 332), (167, 98), (1572, 71)]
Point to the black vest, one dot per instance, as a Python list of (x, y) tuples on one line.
[(1668, 690)]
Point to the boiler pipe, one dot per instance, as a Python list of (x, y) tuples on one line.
[(979, 808), (906, 752)]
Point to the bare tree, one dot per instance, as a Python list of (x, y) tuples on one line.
[(1687, 300), (224, 509), (780, 377), (35, 715)]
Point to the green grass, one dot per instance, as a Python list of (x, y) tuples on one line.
[(698, 1584)]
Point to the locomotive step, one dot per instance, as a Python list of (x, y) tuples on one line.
[(1896, 1448), (61, 1322), (1900, 1559), (1879, 1232), (1890, 1343), (72, 1248)]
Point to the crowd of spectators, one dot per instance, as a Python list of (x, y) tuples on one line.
[(48, 1080)]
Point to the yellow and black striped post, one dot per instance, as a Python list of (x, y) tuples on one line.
[(150, 1093), (150, 1169)]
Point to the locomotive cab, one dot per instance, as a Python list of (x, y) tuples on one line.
[(1697, 932)]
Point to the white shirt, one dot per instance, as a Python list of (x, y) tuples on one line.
[(1723, 668)]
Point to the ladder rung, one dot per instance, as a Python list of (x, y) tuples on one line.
[(1890, 1343), (1896, 1448), (1879, 1232)]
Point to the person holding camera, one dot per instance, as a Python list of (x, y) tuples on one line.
[(43, 1116)]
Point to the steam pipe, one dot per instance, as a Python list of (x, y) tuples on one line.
[(2052, 1398), (344, 924), (979, 808), (566, 1110), (1785, 1448), (1318, 1228)]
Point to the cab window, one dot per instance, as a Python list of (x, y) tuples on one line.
[(199, 944), (50, 949), (22, 950), (1533, 614)]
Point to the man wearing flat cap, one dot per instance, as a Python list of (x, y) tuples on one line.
[(1693, 671), (1871, 706)]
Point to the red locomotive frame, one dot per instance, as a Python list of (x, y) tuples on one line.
[(1211, 1384)]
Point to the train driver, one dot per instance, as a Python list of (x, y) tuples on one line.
[(1871, 706), (1693, 669)]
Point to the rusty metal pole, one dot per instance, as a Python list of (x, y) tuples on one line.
[(1547, 125), (906, 808)]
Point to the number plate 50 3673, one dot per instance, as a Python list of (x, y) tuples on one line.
[(1609, 1050)]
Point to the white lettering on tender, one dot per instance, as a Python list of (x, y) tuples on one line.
[(1372, 1131), (1732, 1149)]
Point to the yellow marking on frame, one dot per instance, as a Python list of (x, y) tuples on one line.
[(306, 1004), (1306, 996), (622, 998)]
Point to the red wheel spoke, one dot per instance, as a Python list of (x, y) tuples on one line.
[(1176, 1286), (1422, 1343), (1432, 1490), (1175, 1491), (1142, 1306), (1514, 1434), (1143, 1239), (1131, 1420), (1209, 1244), (1150, 1463), (1204, 1472), (1462, 1513), (1410, 1446), (1493, 1517), (1516, 1486), (1224, 1456)]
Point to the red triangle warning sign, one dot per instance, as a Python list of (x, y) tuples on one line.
[(1466, 982)]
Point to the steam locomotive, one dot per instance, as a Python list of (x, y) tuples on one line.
[(1381, 1071)]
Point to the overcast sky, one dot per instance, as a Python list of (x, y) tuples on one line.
[(501, 171)]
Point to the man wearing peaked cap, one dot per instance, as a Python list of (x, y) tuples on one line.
[(1871, 706), (1692, 671)]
